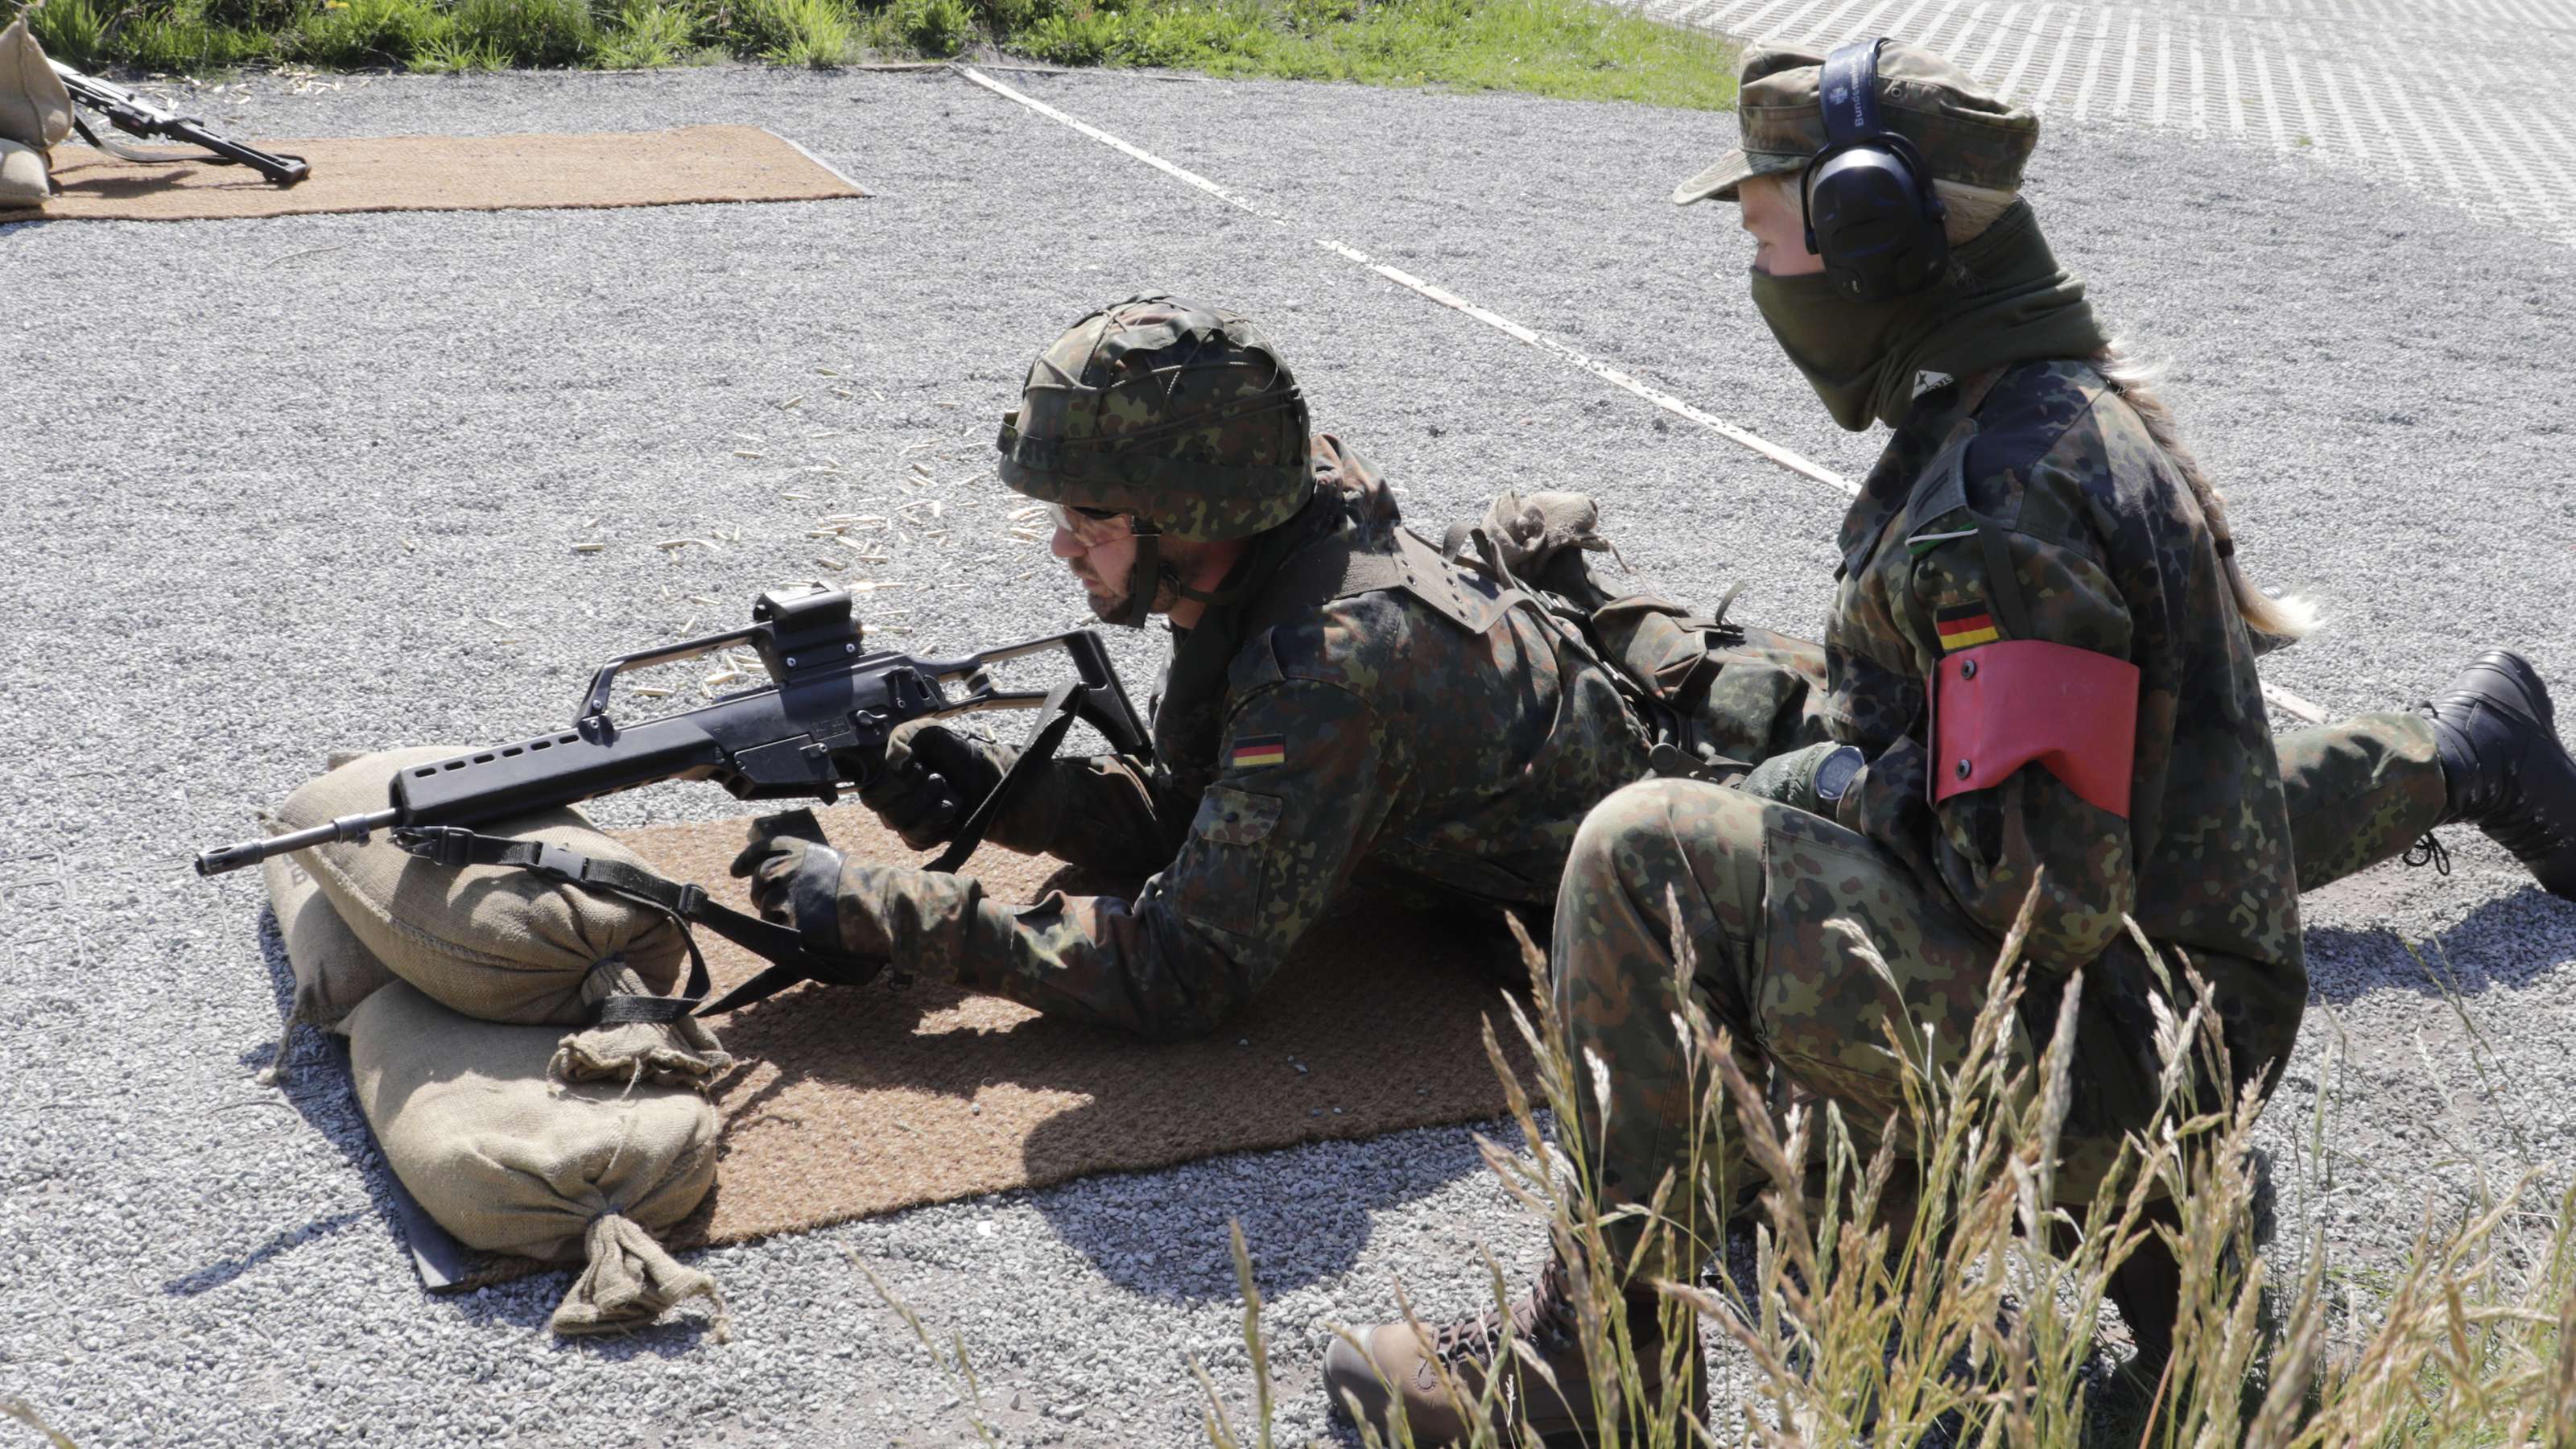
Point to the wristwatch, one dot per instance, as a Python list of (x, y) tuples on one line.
[(1835, 772)]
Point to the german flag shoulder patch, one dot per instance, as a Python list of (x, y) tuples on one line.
[(1258, 752), (1964, 625)]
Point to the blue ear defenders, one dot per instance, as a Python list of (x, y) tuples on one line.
[(1867, 197)]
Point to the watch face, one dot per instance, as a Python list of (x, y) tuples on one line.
[(1834, 774)]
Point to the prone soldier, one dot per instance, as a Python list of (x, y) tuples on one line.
[(1341, 695)]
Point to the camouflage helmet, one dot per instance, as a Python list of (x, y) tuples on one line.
[(1178, 414)]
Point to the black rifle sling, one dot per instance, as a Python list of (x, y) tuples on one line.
[(685, 904), (1055, 718), (124, 152)]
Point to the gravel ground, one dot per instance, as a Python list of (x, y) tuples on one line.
[(316, 481)]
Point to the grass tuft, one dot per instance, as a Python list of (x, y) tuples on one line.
[(1570, 48)]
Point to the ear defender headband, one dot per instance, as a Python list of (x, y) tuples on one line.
[(1867, 197)]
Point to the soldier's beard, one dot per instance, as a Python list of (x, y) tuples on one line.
[(1108, 600)]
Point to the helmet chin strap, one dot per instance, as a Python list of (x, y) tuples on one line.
[(1144, 577), (1149, 573)]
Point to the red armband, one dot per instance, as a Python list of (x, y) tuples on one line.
[(1997, 707)]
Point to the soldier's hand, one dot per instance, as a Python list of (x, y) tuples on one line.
[(772, 863), (933, 776)]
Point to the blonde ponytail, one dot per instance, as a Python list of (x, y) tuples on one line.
[(2285, 618)]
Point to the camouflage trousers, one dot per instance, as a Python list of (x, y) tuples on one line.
[(1772, 901), (2359, 792)]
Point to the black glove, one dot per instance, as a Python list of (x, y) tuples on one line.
[(933, 777), (796, 882)]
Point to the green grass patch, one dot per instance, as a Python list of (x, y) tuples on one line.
[(1570, 48)]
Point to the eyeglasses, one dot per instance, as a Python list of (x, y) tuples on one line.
[(1090, 527)]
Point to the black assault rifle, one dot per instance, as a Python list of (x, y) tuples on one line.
[(136, 116), (818, 726)]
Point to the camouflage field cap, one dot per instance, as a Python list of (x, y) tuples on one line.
[(1176, 413), (1965, 132)]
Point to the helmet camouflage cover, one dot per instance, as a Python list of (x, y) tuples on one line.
[(1176, 413)]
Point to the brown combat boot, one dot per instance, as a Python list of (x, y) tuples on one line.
[(1401, 1366)]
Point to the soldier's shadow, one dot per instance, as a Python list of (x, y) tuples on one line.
[(2502, 944)]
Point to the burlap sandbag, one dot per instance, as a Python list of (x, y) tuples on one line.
[(35, 109), (511, 1161), (681, 1053), (24, 178), (491, 941), (334, 970)]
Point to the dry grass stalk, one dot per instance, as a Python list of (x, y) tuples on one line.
[(1920, 1282)]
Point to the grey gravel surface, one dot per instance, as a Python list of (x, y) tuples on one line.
[(289, 485)]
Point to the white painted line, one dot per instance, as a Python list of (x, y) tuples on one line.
[(2129, 65), (1110, 141), (1822, 34), (1760, 25), (1784, 457), (2562, 202), (2271, 101), (2163, 103), (2093, 65), (1957, 45), (1872, 24), (1903, 25), (1930, 37), (827, 166), (2235, 91), (2460, 143), (1602, 370), (2199, 75), (2391, 147), (2292, 704), (2353, 145), (2060, 54), (2524, 158), (2298, 86), (2029, 48), (2004, 32)]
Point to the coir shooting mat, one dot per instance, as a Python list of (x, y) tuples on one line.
[(860, 1100), (448, 173)]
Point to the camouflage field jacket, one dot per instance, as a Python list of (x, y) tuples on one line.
[(2108, 550), (1368, 732)]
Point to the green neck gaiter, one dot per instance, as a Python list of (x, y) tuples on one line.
[(2006, 301), (1190, 718)]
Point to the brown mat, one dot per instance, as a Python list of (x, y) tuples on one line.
[(855, 1101), (449, 173)]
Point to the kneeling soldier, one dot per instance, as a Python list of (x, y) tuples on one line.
[(2042, 664)]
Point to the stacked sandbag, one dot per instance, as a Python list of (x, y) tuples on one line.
[(35, 116), (511, 1160), (334, 970), (498, 943)]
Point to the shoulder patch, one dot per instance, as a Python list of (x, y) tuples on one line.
[(1257, 752), (1966, 625)]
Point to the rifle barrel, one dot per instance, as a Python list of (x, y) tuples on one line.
[(252, 852)]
